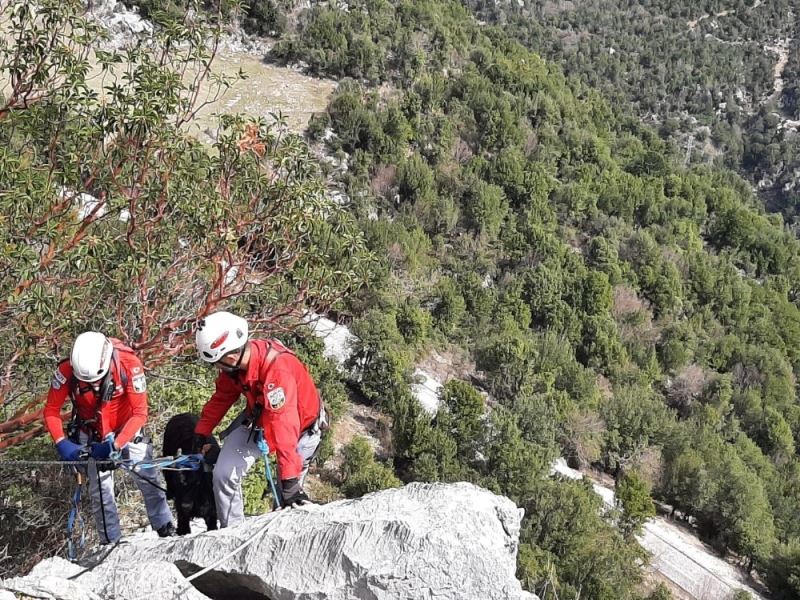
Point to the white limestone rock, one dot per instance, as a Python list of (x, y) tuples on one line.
[(125, 26), (443, 541)]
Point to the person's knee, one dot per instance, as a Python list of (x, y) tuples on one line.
[(147, 479), (152, 493), (104, 495), (223, 477), (307, 448)]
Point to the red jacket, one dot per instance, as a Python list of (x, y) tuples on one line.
[(276, 379), (124, 414)]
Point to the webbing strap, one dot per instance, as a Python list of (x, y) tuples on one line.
[(75, 515)]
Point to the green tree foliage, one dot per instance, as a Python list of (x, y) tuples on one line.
[(783, 571), (685, 63), (623, 301), (110, 202), (566, 525), (361, 473), (263, 17), (486, 207), (739, 509), (379, 357), (115, 218), (635, 420), (450, 307), (415, 180), (462, 413), (633, 496), (588, 273), (661, 592), (686, 482), (413, 323), (619, 306)]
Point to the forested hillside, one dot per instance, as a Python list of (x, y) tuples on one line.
[(717, 78), (620, 306)]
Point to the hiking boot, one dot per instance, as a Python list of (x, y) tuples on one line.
[(167, 530)]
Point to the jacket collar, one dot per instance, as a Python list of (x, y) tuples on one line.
[(259, 355)]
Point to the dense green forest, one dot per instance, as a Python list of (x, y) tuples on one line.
[(620, 307), (704, 73), (623, 307)]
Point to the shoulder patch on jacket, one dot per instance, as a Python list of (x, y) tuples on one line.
[(59, 379), (276, 398), (139, 383)]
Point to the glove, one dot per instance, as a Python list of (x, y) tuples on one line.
[(102, 450), (293, 494), (68, 450), (198, 441), (211, 455)]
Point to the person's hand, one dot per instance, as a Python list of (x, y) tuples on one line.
[(200, 444), (102, 450), (293, 494), (69, 450), (211, 453)]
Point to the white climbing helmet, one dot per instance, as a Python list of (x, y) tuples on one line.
[(218, 334), (91, 356)]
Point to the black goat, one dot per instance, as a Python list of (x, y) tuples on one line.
[(192, 491)]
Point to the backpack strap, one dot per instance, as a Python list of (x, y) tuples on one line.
[(270, 361), (73, 383), (123, 374), (76, 388)]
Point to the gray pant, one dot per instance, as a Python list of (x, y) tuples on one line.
[(235, 459), (104, 507)]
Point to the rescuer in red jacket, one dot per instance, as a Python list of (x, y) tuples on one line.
[(282, 401), (105, 381)]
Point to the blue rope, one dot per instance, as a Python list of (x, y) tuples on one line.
[(184, 462), (75, 514), (262, 445)]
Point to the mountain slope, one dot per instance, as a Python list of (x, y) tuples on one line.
[(619, 306), (717, 78)]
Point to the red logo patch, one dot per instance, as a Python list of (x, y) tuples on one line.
[(219, 341)]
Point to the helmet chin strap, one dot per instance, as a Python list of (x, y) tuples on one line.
[(233, 370), (104, 387), (107, 387)]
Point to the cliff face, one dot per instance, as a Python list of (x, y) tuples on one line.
[(440, 541)]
